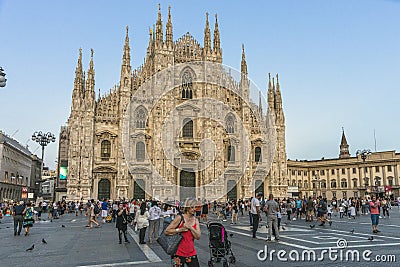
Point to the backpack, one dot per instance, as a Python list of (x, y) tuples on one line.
[(96, 209)]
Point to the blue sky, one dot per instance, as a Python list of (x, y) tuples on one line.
[(338, 61)]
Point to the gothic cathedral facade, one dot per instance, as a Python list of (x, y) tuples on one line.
[(107, 159)]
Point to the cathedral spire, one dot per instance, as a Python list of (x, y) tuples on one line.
[(278, 96), (89, 93), (78, 70), (217, 44), (271, 93), (243, 67), (207, 36), (244, 81), (168, 31), (260, 102), (344, 147), (77, 93), (159, 32), (280, 117), (126, 58)]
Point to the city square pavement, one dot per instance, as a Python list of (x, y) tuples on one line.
[(76, 245)]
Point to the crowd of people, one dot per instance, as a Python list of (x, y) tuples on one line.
[(151, 217)]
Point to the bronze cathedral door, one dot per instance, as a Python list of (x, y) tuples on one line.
[(187, 185)]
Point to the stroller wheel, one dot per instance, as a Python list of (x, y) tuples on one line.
[(210, 264), (232, 259)]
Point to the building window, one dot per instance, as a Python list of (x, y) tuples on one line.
[(293, 172), (343, 171), (354, 182), (333, 171), (389, 168), (293, 182), (376, 168), (299, 184), (343, 183), (187, 130), (355, 194), (105, 150), (390, 182), (354, 170), (313, 173), (140, 151), (366, 181), (187, 85), (333, 184), (322, 172), (230, 124), (344, 194), (6, 177), (323, 184), (140, 118), (299, 173), (305, 173), (305, 184), (366, 169), (257, 154), (334, 194), (377, 181), (231, 153), (314, 185)]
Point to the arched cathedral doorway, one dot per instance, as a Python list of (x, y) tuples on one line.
[(187, 185), (104, 189), (259, 187), (138, 189), (232, 190)]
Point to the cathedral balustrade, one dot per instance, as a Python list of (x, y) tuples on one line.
[(105, 160)]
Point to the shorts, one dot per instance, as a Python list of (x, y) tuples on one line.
[(198, 213), (320, 214), (375, 219), (179, 261), (104, 213)]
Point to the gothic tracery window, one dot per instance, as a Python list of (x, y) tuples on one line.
[(140, 118), (187, 85), (140, 151), (105, 150), (230, 124), (257, 154), (187, 129)]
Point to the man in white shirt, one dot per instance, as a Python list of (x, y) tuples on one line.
[(154, 222), (255, 212)]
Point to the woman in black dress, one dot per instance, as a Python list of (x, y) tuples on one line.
[(122, 222)]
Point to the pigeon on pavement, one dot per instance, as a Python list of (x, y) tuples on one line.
[(312, 225), (31, 248), (44, 241), (371, 238)]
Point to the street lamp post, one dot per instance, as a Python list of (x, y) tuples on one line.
[(43, 139), (364, 154)]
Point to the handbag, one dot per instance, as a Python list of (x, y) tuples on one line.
[(170, 243)]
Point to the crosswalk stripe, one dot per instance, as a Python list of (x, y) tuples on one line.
[(150, 254)]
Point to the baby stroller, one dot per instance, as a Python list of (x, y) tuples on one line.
[(220, 246)]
